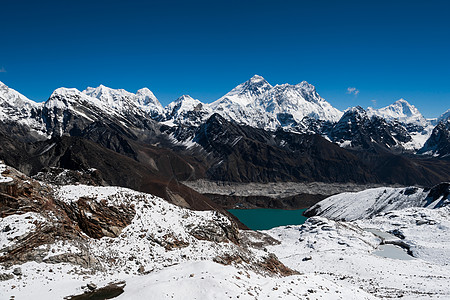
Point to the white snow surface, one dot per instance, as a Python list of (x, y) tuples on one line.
[(149, 270), (335, 259), (444, 117), (347, 253), (122, 100), (258, 104), (370, 202), (400, 110), (207, 280), (15, 107)]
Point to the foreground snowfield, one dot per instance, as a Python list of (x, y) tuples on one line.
[(164, 252), (345, 252), (208, 280), (167, 252)]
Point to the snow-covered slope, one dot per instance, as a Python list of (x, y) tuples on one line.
[(258, 104), (15, 107), (187, 111), (410, 117), (122, 100), (300, 100), (444, 117), (245, 93), (401, 111), (438, 144), (365, 253), (368, 203), (76, 238)]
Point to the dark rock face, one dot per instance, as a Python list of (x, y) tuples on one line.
[(23, 195), (60, 176), (219, 231), (245, 154), (439, 141), (440, 191), (99, 219), (364, 133)]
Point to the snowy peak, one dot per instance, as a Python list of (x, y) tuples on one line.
[(245, 93), (187, 110), (68, 97), (356, 112), (444, 117), (300, 100), (15, 107), (108, 95), (12, 97), (146, 97), (258, 104), (122, 100), (401, 111), (184, 102)]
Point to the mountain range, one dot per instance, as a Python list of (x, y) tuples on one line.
[(255, 133)]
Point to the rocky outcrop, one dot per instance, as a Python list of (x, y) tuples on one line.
[(439, 142), (97, 219), (58, 222), (60, 176)]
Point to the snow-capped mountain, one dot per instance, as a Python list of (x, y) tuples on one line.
[(357, 130), (439, 142), (15, 107), (187, 111), (258, 104), (409, 116), (296, 108), (401, 111), (300, 100), (444, 117), (245, 93), (121, 100), (69, 111)]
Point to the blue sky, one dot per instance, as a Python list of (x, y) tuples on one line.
[(385, 49)]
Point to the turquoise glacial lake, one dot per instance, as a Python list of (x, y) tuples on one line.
[(262, 218)]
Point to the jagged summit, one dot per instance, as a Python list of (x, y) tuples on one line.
[(13, 97), (187, 110), (445, 116), (402, 111), (65, 91), (256, 78), (146, 97), (123, 100), (245, 93), (257, 103)]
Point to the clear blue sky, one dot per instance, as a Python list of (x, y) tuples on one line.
[(384, 49)]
